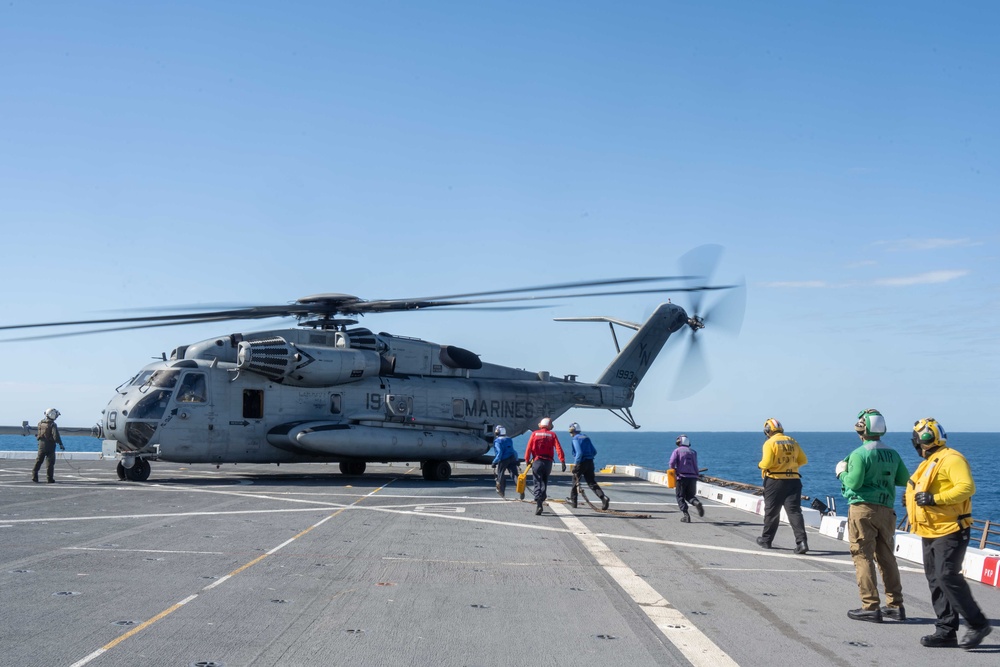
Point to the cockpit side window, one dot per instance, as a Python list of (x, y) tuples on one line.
[(193, 389)]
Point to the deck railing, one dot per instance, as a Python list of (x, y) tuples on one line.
[(985, 534)]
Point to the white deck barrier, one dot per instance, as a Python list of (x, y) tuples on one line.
[(981, 565), (72, 456)]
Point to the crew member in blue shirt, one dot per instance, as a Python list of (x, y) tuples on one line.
[(583, 466), (505, 459)]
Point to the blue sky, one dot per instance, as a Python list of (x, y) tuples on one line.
[(844, 153)]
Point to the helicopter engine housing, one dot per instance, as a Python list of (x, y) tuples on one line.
[(308, 365)]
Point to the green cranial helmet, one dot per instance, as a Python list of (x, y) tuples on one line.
[(870, 424)]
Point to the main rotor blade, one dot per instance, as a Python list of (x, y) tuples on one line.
[(398, 304), (556, 286), (340, 304)]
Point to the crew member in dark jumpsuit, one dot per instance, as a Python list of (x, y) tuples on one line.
[(542, 446), (48, 438)]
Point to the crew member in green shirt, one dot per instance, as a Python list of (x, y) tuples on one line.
[(869, 477)]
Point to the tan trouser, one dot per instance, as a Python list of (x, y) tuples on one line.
[(871, 529)]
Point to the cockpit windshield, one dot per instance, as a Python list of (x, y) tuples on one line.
[(152, 406), (140, 378), (164, 379)]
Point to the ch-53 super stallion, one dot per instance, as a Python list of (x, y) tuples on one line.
[(331, 391)]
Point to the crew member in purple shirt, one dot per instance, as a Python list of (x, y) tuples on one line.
[(684, 461)]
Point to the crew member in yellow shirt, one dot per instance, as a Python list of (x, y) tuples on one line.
[(939, 505), (779, 466)]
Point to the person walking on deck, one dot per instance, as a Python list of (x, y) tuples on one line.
[(779, 466)]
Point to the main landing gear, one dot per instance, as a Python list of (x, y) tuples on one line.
[(352, 468), (436, 471), (138, 472)]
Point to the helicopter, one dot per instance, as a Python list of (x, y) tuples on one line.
[(331, 391)]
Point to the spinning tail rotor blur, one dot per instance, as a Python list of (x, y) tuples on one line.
[(724, 314)]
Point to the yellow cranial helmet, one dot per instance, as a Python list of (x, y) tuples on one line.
[(928, 434), (772, 426)]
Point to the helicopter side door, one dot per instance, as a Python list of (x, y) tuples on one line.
[(192, 433)]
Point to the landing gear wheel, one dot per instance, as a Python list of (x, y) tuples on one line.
[(139, 472), (352, 468), (120, 470), (436, 471)]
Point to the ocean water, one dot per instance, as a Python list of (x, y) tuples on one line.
[(734, 456)]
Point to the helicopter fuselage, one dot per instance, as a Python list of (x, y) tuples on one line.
[(348, 395)]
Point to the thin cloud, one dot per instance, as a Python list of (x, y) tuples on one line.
[(808, 284), (928, 278), (913, 245)]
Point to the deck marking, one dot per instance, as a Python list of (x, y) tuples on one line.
[(169, 610), (147, 551), (675, 626)]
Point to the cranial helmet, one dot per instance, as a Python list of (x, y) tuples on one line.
[(545, 423), (52, 413), (870, 424), (499, 431), (772, 426), (927, 435), (682, 441), (574, 427)]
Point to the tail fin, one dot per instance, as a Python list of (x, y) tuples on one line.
[(631, 364)]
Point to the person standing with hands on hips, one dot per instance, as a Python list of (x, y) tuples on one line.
[(779, 466), (543, 445), (939, 505), (684, 462), (868, 478)]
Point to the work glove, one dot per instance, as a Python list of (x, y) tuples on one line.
[(923, 498), (493, 465), (61, 447), (841, 467), (564, 466)]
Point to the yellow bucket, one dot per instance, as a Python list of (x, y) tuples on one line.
[(671, 478)]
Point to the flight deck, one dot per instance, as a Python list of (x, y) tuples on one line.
[(301, 565)]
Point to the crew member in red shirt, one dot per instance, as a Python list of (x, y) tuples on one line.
[(542, 447)]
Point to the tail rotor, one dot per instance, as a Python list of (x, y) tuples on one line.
[(725, 314)]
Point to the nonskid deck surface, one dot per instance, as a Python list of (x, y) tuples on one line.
[(299, 565)]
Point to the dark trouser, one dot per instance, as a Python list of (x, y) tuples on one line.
[(950, 592), (785, 493), (45, 451), (540, 471), (871, 529), (585, 469), (507, 465), (686, 488)]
